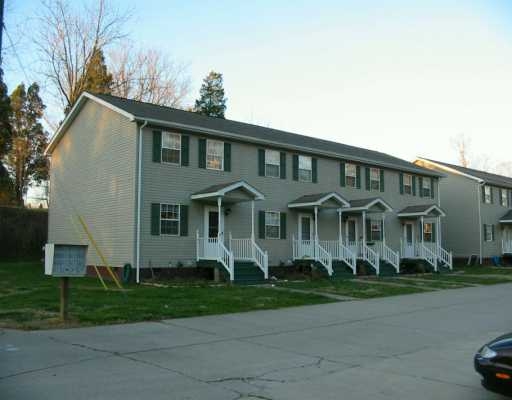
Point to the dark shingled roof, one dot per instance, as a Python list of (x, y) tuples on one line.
[(312, 198), (216, 188), (417, 209), (507, 216), (363, 202), (143, 111), (492, 179)]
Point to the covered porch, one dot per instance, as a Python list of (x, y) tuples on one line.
[(306, 242), (421, 235), (506, 233), (365, 232), (212, 244)]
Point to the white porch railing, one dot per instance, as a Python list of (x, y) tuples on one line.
[(214, 249), (419, 250), (371, 256), (445, 257), (247, 249), (312, 250), (323, 256), (339, 251), (506, 246), (389, 255)]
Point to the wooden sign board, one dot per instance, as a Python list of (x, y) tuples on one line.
[(65, 260)]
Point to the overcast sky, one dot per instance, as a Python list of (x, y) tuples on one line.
[(396, 76)]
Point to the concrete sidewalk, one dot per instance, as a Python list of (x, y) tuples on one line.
[(408, 347)]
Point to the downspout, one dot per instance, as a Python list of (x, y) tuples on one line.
[(479, 200), (139, 195)]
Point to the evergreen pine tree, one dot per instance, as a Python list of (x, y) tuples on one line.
[(6, 187), (212, 101)]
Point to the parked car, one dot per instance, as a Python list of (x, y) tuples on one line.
[(494, 362)]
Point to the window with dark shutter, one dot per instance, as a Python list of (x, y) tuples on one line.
[(227, 157), (283, 225), (202, 153), (261, 162), (157, 146), (155, 219), (183, 220), (295, 166), (185, 145), (282, 161)]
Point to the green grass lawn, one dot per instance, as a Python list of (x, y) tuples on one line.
[(30, 300), (419, 282), (478, 280), (481, 270), (360, 290)]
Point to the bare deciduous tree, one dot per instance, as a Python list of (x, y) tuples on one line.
[(148, 75), (68, 39), (462, 143)]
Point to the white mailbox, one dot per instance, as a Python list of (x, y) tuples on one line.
[(65, 260)]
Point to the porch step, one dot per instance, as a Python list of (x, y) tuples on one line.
[(248, 273), (340, 270), (386, 269), (365, 268)]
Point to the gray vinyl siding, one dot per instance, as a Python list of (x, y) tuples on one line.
[(93, 174), (166, 183), (491, 215)]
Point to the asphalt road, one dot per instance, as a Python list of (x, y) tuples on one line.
[(408, 347)]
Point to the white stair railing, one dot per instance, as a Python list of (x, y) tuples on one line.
[(261, 259), (339, 251), (225, 257), (372, 257), (323, 257), (427, 254), (389, 255), (445, 257), (248, 250)]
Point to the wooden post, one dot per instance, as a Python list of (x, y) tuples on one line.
[(64, 298)]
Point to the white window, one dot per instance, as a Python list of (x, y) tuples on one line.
[(504, 197), (407, 184), (374, 179), (426, 187), (272, 225), (272, 163), (427, 232), (487, 195), (171, 147), (305, 169), (351, 175), (170, 219), (215, 154), (489, 233), (375, 230)]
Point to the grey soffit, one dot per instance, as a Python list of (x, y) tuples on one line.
[(507, 218), (419, 210), (492, 179), (318, 199), (155, 113), (222, 189)]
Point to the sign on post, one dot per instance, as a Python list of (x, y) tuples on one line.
[(65, 261)]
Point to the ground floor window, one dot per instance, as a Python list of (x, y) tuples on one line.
[(272, 225), (427, 232), (169, 219), (375, 230), (489, 233)]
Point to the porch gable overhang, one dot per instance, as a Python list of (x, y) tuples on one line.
[(224, 189), (368, 205), (321, 200), (507, 218), (427, 210)]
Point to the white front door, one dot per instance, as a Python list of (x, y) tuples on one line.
[(213, 228), (352, 235), (409, 240), (306, 236)]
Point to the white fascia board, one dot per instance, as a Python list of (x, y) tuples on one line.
[(448, 169)]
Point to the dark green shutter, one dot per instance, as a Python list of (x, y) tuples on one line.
[(185, 145), (227, 157), (501, 195), (283, 225), (433, 232), (295, 165), (432, 188), (157, 146), (282, 164), (367, 178), (314, 170), (261, 162), (261, 224), (483, 194), (510, 198), (368, 230), (401, 179), (414, 186), (381, 180), (492, 195), (358, 176), (493, 233), (155, 219), (381, 230), (202, 153), (420, 186), (183, 220), (342, 174)]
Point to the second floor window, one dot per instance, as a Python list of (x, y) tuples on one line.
[(171, 147), (407, 184), (487, 195), (374, 179), (305, 169), (272, 225), (215, 154), (350, 175), (169, 219), (489, 233), (425, 189), (504, 197), (272, 163)]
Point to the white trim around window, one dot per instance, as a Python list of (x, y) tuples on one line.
[(350, 175), (487, 194), (214, 154), (305, 168), (171, 148), (375, 230), (272, 225), (504, 197), (272, 163), (169, 219), (375, 178), (425, 190), (488, 233), (408, 184)]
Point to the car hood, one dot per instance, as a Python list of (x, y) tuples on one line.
[(501, 343)]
